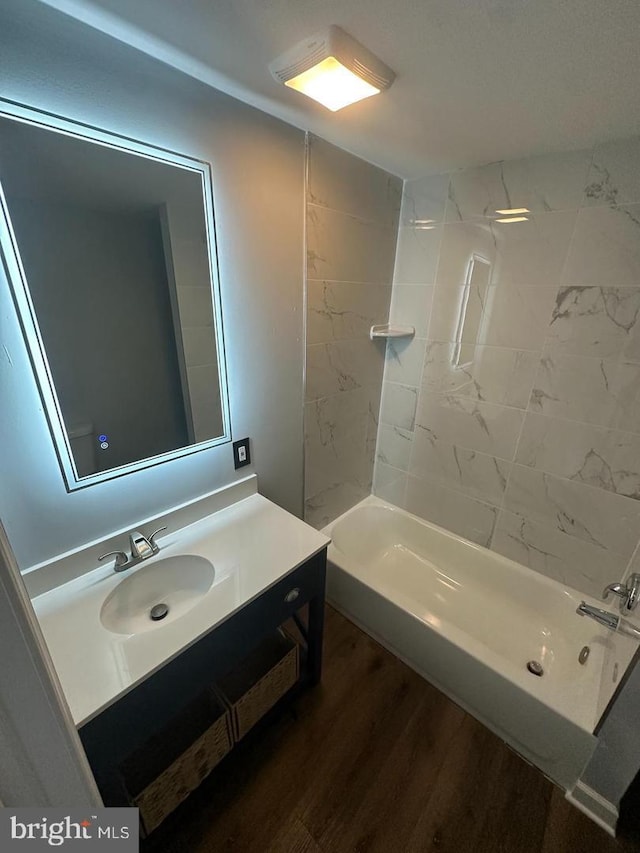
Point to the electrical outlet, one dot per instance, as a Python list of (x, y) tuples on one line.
[(241, 453)]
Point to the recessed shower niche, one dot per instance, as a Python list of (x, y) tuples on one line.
[(110, 248)]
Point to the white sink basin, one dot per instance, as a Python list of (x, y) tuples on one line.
[(176, 582)]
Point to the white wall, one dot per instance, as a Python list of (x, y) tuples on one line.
[(54, 63)]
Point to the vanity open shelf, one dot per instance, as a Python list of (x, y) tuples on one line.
[(193, 683)]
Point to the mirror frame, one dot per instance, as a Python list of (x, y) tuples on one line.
[(13, 268)]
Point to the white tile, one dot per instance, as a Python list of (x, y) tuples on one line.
[(604, 458), (591, 390), (482, 190), (451, 306), (503, 376), (511, 316), (403, 361), (516, 317), (615, 173), (423, 200), (390, 484), (472, 519), (593, 515), (398, 406), (533, 252), (480, 426), (326, 506), (557, 180), (343, 310), (545, 549), (444, 373), (341, 181), (411, 306), (394, 446), (337, 440), (342, 366), (340, 414), (461, 242), (417, 255), (530, 253), (341, 247), (596, 321), (543, 183), (476, 474), (492, 374), (605, 249), (340, 461)]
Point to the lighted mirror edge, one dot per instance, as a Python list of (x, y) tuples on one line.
[(25, 310)]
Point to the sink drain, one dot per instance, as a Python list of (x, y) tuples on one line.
[(158, 612), (535, 667)]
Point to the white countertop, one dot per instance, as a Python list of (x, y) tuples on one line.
[(252, 544)]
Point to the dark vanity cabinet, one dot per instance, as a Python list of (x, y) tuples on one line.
[(182, 689)]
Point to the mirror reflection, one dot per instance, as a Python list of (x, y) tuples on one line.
[(117, 265)]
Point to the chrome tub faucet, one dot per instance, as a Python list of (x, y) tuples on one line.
[(628, 593), (609, 620)]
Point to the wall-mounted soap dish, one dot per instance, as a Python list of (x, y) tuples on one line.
[(390, 330)]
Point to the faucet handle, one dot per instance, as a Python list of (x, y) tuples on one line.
[(616, 588), (154, 545), (121, 558), (633, 591)]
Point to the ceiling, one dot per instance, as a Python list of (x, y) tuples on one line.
[(477, 80)]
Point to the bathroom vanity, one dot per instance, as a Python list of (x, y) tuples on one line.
[(126, 680)]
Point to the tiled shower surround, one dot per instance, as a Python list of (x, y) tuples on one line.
[(513, 417), (352, 222)]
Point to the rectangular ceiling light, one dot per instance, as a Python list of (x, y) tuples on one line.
[(514, 219), (333, 69), (512, 211)]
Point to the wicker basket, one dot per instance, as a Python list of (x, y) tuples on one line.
[(172, 764), (260, 680)]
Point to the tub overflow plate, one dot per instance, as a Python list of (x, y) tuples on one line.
[(535, 667), (158, 612)]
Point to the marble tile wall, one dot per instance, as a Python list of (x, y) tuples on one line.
[(352, 221), (526, 439)]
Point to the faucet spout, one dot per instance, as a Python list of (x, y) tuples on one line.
[(141, 548), (609, 620)]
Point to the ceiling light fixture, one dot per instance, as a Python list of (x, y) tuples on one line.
[(514, 219), (333, 68), (513, 210)]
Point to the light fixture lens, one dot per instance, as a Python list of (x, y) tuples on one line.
[(513, 211), (333, 85), (514, 219)]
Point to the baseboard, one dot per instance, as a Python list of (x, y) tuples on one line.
[(591, 803)]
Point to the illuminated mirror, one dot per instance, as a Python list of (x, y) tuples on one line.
[(110, 248)]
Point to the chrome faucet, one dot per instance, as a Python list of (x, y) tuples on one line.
[(629, 593), (141, 549), (609, 620)]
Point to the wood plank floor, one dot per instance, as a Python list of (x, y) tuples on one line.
[(377, 761)]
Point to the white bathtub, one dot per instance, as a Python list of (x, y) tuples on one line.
[(469, 620)]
